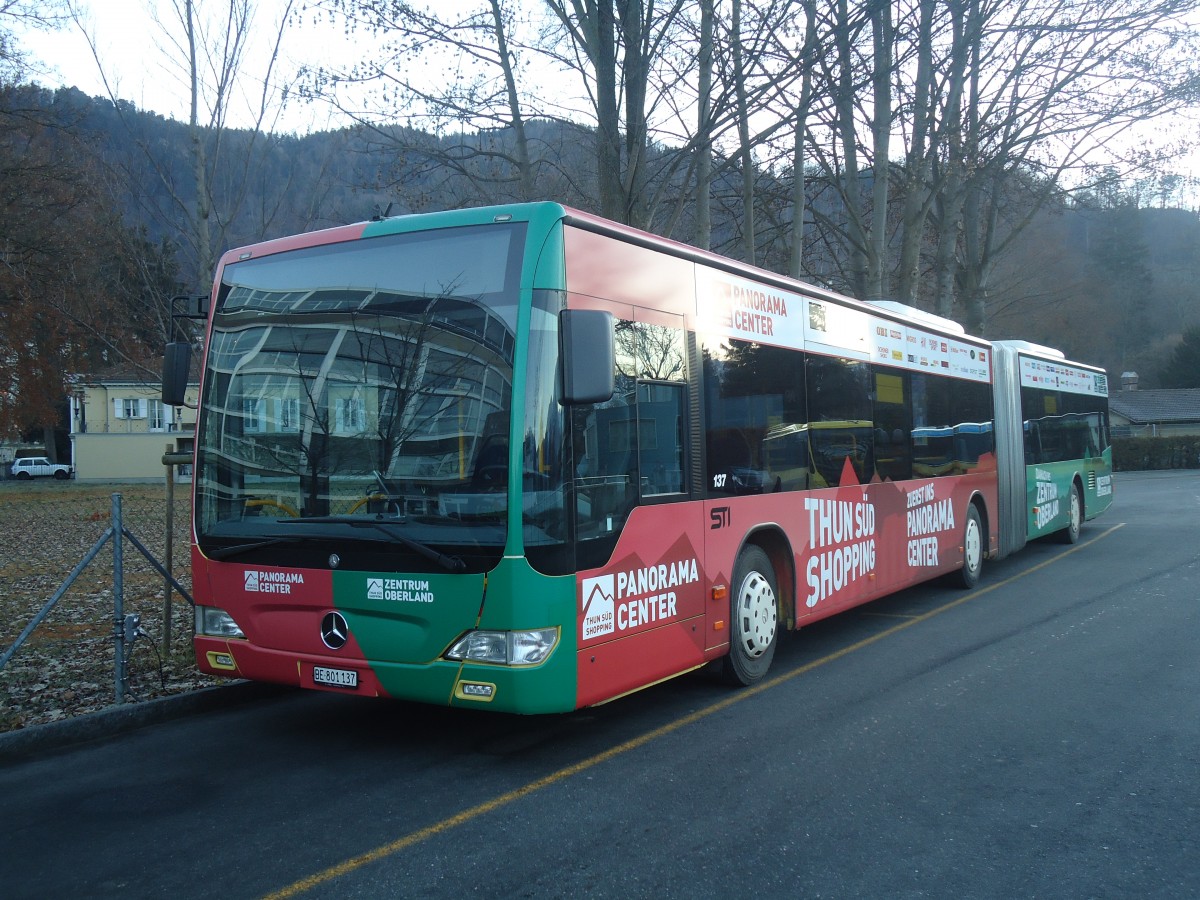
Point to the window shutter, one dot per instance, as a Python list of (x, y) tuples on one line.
[(118, 408), (142, 407)]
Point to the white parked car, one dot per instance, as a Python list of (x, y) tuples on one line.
[(34, 466)]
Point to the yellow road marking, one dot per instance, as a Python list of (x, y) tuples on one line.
[(467, 815)]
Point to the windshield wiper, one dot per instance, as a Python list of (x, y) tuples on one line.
[(237, 549), (449, 563)]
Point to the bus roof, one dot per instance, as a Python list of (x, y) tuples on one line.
[(591, 222), (886, 309), (1029, 347)]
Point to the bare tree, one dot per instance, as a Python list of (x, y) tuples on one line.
[(756, 67), (1048, 84), (999, 105), (800, 138), (68, 304), (614, 46), (209, 40), (882, 34), (917, 188), (744, 71), (745, 150), (473, 127), (45, 14)]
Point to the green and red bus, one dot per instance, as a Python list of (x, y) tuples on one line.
[(526, 459)]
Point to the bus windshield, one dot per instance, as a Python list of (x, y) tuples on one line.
[(366, 381)]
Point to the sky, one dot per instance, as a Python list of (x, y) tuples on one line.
[(145, 66)]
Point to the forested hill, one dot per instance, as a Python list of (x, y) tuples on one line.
[(1115, 285), (283, 183), (106, 214)]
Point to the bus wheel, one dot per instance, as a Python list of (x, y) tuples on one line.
[(972, 549), (1070, 534), (754, 614)]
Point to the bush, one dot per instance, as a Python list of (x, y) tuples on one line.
[(1171, 452)]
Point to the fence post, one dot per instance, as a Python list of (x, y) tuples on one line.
[(170, 561), (170, 459), (118, 600)]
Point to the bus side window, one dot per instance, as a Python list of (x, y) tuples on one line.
[(661, 413), (1095, 435), (893, 424), (841, 419), (757, 433)]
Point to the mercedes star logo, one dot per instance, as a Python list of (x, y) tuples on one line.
[(334, 630)]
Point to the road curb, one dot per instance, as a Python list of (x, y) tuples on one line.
[(37, 740)]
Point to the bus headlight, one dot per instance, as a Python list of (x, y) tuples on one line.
[(215, 622), (505, 648), (528, 648)]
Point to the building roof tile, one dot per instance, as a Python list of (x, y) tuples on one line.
[(1159, 406)]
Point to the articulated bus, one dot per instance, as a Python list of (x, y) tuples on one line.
[(525, 459)]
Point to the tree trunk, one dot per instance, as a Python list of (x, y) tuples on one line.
[(704, 130), (524, 166), (743, 126), (799, 139), (877, 253), (634, 34), (851, 194), (601, 38), (917, 170), (200, 221)]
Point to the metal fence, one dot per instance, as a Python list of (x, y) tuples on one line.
[(119, 631)]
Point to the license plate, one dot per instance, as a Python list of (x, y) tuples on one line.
[(347, 678)]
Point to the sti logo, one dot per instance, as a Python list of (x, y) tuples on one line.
[(374, 588), (251, 580), (599, 598)]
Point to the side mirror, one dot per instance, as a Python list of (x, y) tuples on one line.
[(190, 306), (177, 364), (588, 357)]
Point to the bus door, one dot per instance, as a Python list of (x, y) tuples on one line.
[(639, 544)]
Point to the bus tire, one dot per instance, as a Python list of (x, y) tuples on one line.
[(1070, 534), (754, 618), (972, 566)]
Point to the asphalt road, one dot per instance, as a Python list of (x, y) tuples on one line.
[(1038, 737)]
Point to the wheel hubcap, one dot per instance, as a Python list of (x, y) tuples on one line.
[(974, 545), (757, 615)]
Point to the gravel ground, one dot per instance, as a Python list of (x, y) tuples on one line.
[(67, 665)]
